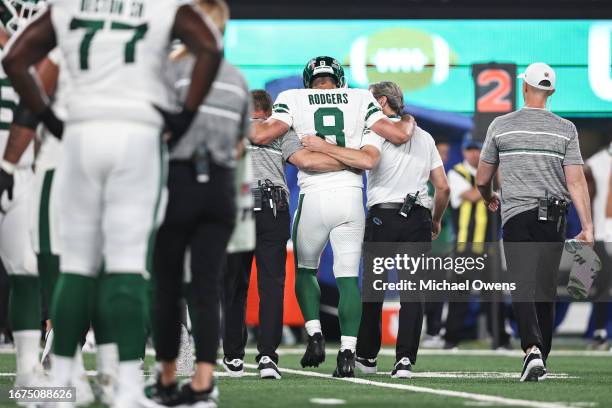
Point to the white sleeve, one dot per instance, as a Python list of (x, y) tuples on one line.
[(372, 112), (458, 185), (282, 108), (372, 139), (436, 160)]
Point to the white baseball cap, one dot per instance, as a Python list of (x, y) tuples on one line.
[(537, 73)]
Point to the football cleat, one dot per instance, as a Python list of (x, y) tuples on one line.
[(315, 351), (268, 369), (366, 365), (345, 364), (234, 367), (533, 366), (402, 368)]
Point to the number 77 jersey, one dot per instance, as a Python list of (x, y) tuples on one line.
[(340, 116), (116, 52)]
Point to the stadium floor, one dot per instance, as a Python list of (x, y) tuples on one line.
[(466, 378)]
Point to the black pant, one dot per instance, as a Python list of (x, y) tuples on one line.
[(458, 310), (199, 216), (535, 268), (270, 257), (386, 225)]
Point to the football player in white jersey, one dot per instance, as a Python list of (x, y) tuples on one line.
[(330, 204), (16, 180), (111, 178)]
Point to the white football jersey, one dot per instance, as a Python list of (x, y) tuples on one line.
[(339, 115), (8, 102), (115, 52)]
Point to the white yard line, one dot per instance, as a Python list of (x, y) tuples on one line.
[(426, 390)]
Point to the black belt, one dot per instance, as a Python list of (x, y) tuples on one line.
[(391, 206), (387, 206)]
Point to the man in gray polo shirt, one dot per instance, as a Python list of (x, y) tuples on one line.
[(539, 159)]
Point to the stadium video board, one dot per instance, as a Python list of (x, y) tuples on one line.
[(432, 59)]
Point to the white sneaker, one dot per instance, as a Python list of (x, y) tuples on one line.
[(234, 368), (533, 366), (366, 365), (402, 368)]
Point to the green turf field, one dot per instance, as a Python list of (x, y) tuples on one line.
[(476, 378)]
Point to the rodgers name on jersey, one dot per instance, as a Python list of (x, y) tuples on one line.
[(340, 116)]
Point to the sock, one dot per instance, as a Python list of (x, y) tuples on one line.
[(107, 359), (312, 327), (123, 303), (348, 343), (349, 306), (48, 270), (78, 366), (71, 310), (27, 343), (308, 293), (24, 303), (61, 370), (130, 379)]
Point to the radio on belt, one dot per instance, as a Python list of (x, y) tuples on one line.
[(409, 202), (551, 209)]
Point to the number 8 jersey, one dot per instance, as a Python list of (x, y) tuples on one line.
[(116, 52), (340, 116)]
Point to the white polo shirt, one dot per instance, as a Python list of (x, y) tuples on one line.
[(402, 169)]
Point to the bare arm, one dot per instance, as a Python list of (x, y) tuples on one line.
[(577, 186), (264, 132), (484, 182), (472, 195), (204, 42), (588, 174), (395, 132), (442, 192), (365, 158), (25, 50), (21, 136), (315, 162)]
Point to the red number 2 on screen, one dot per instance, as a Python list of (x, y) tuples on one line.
[(495, 100)]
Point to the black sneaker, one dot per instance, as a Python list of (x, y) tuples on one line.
[(268, 369), (402, 368), (315, 351), (533, 366), (345, 364), (234, 367), (366, 365), (168, 395), (198, 399)]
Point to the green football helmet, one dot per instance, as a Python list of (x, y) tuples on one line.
[(324, 66), (16, 13)]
